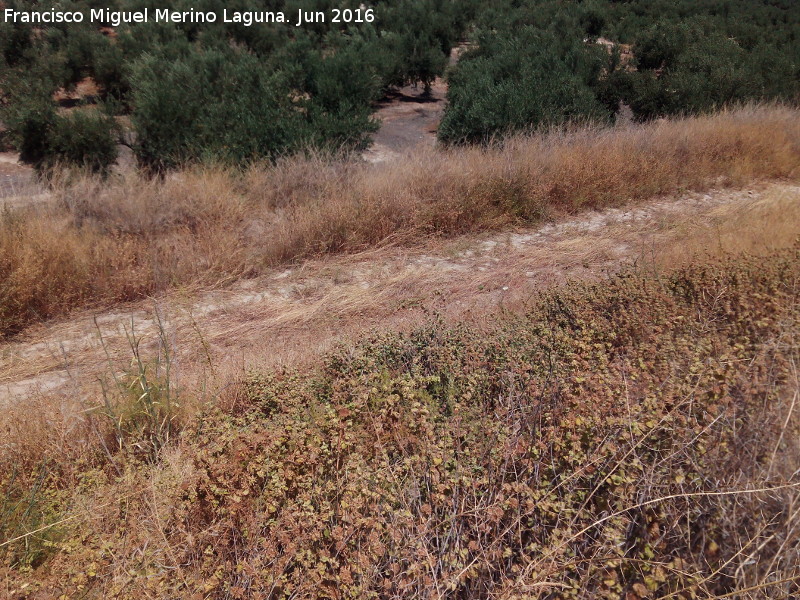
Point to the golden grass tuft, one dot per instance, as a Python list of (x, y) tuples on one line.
[(771, 222)]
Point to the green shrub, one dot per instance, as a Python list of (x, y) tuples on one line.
[(30, 127), (228, 106), (694, 68), (513, 83), (84, 139), (210, 105), (15, 43)]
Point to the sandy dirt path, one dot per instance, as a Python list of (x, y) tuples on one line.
[(409, 119), (293, 314), (18, 185)]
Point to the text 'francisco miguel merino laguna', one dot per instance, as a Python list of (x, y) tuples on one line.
[(116, 17)]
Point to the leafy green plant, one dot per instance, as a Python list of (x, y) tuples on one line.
[(519, 82), (223, 106), (141, 404), (85, 139), (30, 126), (30, 515)]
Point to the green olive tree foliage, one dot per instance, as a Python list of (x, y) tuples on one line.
[(227, 92), (537, 63), (232, 93), (698, 70), (514, 82)]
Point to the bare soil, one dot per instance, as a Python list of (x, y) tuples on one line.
[(409, 118), (17, 182), (291, 315)]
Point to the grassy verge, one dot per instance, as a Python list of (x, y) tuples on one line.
[(105, 242), (635, 438)]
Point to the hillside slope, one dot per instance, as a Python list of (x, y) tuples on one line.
[(631, 438)]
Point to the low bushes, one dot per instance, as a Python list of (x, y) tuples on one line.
[(610, 443), (84, 139)]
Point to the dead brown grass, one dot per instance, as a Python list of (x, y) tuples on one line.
[(120, 240), (58, 432), (770, 222), (289, 316)]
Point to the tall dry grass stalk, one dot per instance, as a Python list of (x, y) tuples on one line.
[(121, 239)]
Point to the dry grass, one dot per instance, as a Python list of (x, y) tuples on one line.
[(768, 223), (123, 239), (213, 332), (289, 316), (137, 528)]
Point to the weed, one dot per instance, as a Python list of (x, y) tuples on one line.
[(29, 517), (142, 403), (631, 438)]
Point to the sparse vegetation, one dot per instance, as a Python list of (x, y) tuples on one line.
[(607, 443)]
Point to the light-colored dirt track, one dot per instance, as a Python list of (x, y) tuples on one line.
[(18, 185), (409, 120), (293, 314)]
